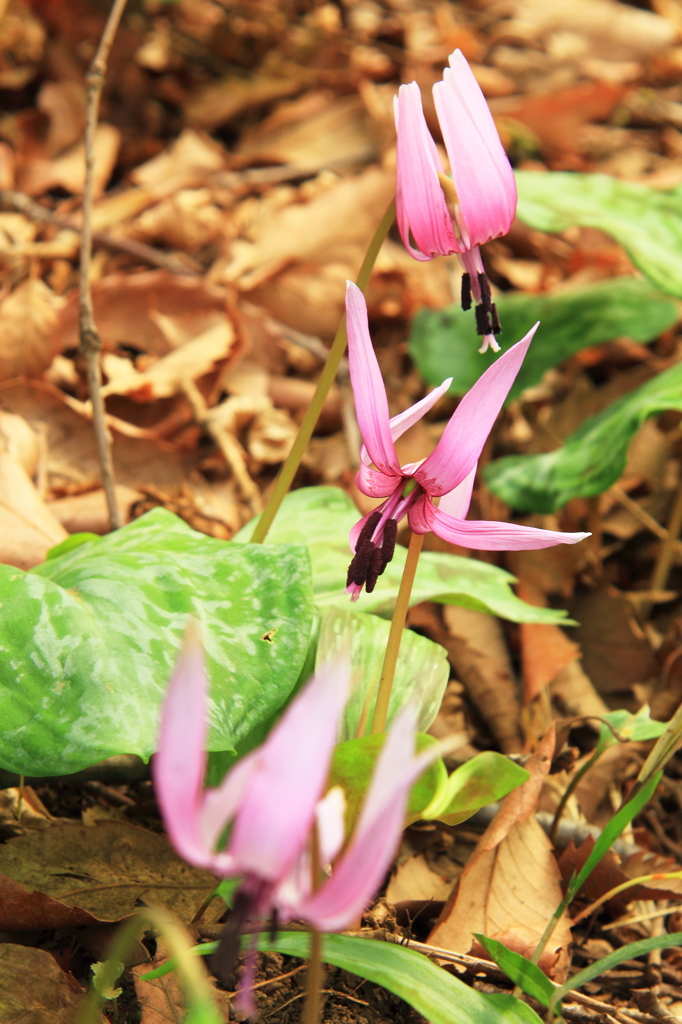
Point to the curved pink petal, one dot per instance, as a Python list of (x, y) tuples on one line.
[(179, 765), (404, 420), (456, 502), (220, 805), (487, 205), (483, 535), (278, 808), (375, 484), (360, 871), (371, 404), (462, 81), (460, 447), (421, 207)]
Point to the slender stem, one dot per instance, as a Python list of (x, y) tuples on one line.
[(336, 353), (313, 991), (90, 341), (640, 880), (395, 636), (569, 790), (666, 554)]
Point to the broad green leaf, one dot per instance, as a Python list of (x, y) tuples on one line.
[(432, 991), (522, 972), (421, 673), (89, 638), (647, 222), (442, 342), (482, 780), (322, 517), (639, 727), (592, 459)]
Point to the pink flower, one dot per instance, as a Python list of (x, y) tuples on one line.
[(443, 216), (274, 795), (448, 473)]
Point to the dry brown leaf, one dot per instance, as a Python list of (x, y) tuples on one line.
[(219, 102), (29, 529), (101, 870), (20, 441), (89, 512), (35, 990), (22, 42), (545, 648), (166, 377), (612, 871), (68, 171), (351, 211), (28, 329), (316, 129), (478, 654), (415, 880), (573, 692), (127, 309), (64, 104), (187, 220), (187, 162), (511, 885), (616, 31)]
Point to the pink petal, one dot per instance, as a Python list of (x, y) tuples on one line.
[(359, 527), (373, 483), (460, 447), (486, 201), (456, 502), (404, 420), (483, 535), (220, 805), (421, 206), (371, 404), (179, 765), (359, 873), (462, 81), (277, 812)]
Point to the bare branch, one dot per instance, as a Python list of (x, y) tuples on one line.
[(90, 341)]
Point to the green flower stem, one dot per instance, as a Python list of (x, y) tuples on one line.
[(395, 636), (657, 876), (305, 431), (197, 987), (569, 790)]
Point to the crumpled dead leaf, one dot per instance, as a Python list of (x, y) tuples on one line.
[(89, 512), (545, 648), (415, 880), (27, 527), (162, 999), (166, 377), (186, 163), (34, 988), (219, 102), (68, 171), (29, 316), (510, 887), (71, 875), (351, 210), (128, 308)]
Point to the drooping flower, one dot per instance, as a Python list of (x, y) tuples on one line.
[(443, 215), (447, 473), (272, 797)]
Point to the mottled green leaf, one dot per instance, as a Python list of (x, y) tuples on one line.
[(647, 222), (89, 638), (443, 342), (322, 517), (482, 780), (421, 673), (592, 459)]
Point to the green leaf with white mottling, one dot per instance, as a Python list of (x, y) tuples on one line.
[(89, 638), (592, 459), (322, 517), (421, 674), (646, 221), (443, 341)]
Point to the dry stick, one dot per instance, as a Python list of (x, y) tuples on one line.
[(232, 451), (666, 554), (396, 634), (336, 352), (91, 343)]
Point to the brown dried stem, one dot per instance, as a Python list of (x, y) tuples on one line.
[(90, 341)]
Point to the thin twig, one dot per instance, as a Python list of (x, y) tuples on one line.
[(666, 554), (90, 341), (233, 452), (36, 211), (643, 516)]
